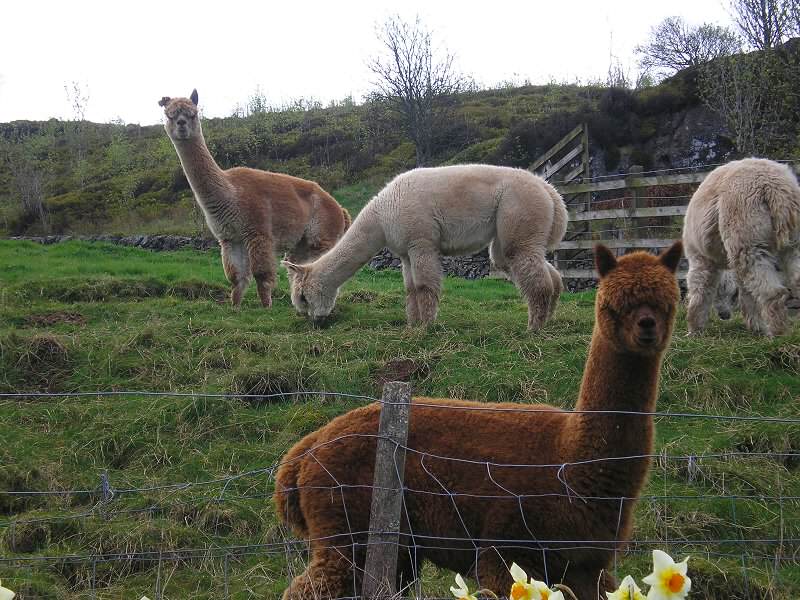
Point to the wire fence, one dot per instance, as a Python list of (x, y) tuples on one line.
[(736, 510)]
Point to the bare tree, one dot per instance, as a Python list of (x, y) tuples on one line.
[(414, 80), (756, 95), (765, 23), (675, 45)]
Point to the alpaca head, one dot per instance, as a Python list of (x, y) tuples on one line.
[(727, 298), (182, 122), (637, 298), (309, 296)]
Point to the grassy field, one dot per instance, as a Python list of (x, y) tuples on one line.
[(79, 317)]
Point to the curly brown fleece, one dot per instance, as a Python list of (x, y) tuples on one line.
[(473, 512)]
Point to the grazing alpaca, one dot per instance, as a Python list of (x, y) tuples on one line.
[(253, 214), (425, 213), (746, 216), (568, 499)]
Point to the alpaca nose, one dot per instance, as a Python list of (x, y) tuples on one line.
[(724, 315), (181, 122), (647, 323)]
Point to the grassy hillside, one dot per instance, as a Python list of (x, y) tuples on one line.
[(79, 317), (116, 178)]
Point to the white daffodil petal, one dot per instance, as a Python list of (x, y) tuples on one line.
[(661, 560), (559, 595), (518, 574), (682, 566)]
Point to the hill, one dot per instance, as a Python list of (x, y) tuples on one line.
[(81, 177)]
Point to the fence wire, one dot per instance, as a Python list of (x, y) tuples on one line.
[(724, 507)]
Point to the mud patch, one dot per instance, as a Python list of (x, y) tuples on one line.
[(40, 363), (55, 318), (104, 290), (269, 387)]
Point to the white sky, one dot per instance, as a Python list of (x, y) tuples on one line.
[(128, 55)]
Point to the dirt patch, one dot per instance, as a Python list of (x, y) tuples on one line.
[(14, 479), (41, 362), (103, 290), (401, 369), (55, 318), (786, 357), (360, 297), (272, 386)]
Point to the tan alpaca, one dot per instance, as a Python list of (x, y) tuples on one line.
[(425, 213), (582, 512), (253, 214), (746, 216)]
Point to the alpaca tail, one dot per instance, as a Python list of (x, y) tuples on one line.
[(287, 490), (559, 227), (347, 219), (783, 201)]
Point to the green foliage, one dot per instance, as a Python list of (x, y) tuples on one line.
[(77, 316)]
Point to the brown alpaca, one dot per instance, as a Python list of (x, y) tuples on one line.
[(253, 214), (498, 513)]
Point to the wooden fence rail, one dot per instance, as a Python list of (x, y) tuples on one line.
[(580, 200)]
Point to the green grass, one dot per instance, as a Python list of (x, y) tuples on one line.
[(81, 317)]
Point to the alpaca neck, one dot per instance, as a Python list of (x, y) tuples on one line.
[(207, 180), (360, 243), (616, 381)]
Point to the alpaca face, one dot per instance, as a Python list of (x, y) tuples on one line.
[(637, 299), (727, 298), (182, 122), (309, 296)]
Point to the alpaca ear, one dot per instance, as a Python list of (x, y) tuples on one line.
[(296, 269), (164, 101), (604, 260), (193, 97), (672, 256)]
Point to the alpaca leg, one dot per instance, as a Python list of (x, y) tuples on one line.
[(262, 260), (328, 575), (751, 312), (558, 287), (757, 273), (412, 310), (702, 281), (236, 265), (426, 272), (790, 263), (533, 278)]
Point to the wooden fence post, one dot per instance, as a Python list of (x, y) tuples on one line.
[(380, 569)]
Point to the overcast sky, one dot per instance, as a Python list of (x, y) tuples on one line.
[(128, 55)]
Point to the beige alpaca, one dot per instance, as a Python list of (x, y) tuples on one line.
[(501, 512), (746, 216), (425, 213), (253, 214)]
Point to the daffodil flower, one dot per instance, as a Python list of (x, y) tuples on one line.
[(524, 589), (462, 591), (627, 590), (668, 580), (5, 593), (521, 589)]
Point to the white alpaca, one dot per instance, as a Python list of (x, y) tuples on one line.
[(746, 216), (425, 213)]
